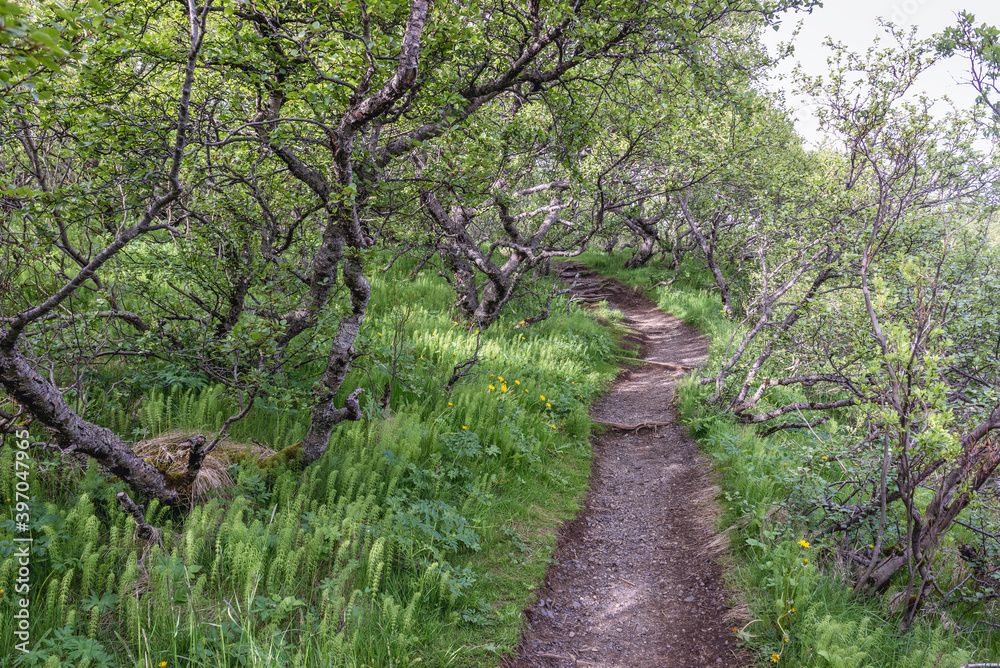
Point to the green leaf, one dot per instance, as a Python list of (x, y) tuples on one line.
[(43, 37)]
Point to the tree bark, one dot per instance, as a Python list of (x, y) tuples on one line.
[(647, 233), (46, 403), (43, 399), (708, 251), (975, 467)]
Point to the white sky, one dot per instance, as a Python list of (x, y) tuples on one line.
[(853, 22)]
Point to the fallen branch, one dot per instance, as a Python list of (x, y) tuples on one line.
[(196, 455), (669, 365), (463, 368), (142, 530), (632, 427), (792, 425), (665, 365), (573, 659)]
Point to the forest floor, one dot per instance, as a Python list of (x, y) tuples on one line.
[(636, 580)]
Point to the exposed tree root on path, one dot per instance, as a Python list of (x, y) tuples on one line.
[(636, 582), (662, 365), (633, 427)]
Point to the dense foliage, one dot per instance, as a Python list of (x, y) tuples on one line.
[(420, 534), (295, 256)]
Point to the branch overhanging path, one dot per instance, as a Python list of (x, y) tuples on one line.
[(635, 580)]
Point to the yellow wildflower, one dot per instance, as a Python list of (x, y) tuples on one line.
[(804, 543), (542, 397), (492, 388), (465, 428), (500, 378), (775, 657), (503, 388), (450, 404), (548, 405), (517, 382)]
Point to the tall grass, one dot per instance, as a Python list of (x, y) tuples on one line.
[(418, 537)]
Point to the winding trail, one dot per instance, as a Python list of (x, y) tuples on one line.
[(635, 582)]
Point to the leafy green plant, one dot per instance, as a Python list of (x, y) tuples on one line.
[(393, 533), (65, 647)]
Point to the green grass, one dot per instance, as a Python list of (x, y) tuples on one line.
[(419, 536), (792, 591), (688, 296)]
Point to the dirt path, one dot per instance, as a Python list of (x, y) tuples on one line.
[(636, 583)]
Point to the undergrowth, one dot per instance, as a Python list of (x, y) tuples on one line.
[(418, 538), (801, 607)]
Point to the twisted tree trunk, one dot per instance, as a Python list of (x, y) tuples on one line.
[(648, 234), (47, 405)]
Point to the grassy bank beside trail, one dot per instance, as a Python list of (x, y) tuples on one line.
[(800, 608), (418, 538)]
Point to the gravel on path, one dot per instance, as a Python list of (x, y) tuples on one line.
[(636, 582)]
